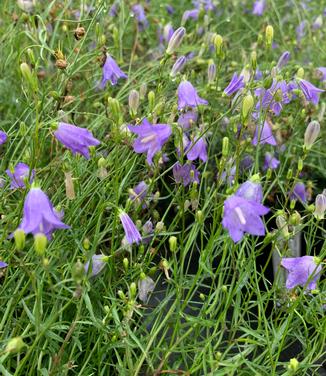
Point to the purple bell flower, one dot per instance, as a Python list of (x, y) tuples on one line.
[(299, 192), (301, 270), (19, 176), (283, 60), (167, 32), (270, 162), (131, 231), (139, 193), (197, 149), (3, 264), (300, 30), (250, 191), (188, 97), (274, 97), (3, 137), (266, 135), (113, 11), (237, 83), (98, 264), (193, 14), (243, 216), (77, 139), (322, 70), (140, 15), (39, 215), (169, 8), (310, 91), (151, 138), (188, 119), (185, 174), (111, 72), (206, 4), (178, 66), (259, 7)]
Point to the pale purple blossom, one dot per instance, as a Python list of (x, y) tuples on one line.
[(236, 83), (188, 97), (131, 231), (185, 174), (3, 264), (259, 7), (299, 192), (322, 70), (301, 30), (139, 192), (273, 98), (139, 13), (283, 60), (111, 72), (302, 271), (264, 135), (310, 91), (96, 265), (188, 119), (3, 137), (19, 175), (77, 139), (196, 149), (270, 162)]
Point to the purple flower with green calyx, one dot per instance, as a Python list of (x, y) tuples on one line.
[(138, 193), (236, 83), (39, 215), (243, 216), (185, 174), (188, 97), (188, 119), (77, 139), (265, 136), (3, 137), (131, 231), (151, 138), (251, 190), (20, 175), (3, 264), (310, 91), (196, 149), (274, 97), (111, 72), (322, 70), (259, 7), (303, 271), (270, 162), (95, 265), (139, 13), (299, 192)]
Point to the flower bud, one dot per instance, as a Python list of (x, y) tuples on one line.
[(78, 271), (282, 226), (178, 66), (293, 365), (159, 226), (247, 105), (311, 134), (114, 109), (15, 345), (320, 206), (121, 295), (142, 91), (133, 290), (61, 64), (283, 60), (175, 40), (211, 72), (199, 216), (40, 243), (300, 164), (269, 34), (267, 82), (133, 101), (27, 74), (125, 262), (300, 73), (173, 242), (295, 219), (19, 236), (225, 147), (151, 101), (289, 174), (254, 60), (86, 244), (218, 43)]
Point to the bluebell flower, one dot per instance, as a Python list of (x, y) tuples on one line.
[(310, 91), (196, 149), (259, 7), (188, 119), (111, 72), (188, 97), (97, 265), (236, 83), (3, 137), (299, 192), (265, 136), (185, 174), (270, 162), (139, 12), (19, 175), (131, 231)]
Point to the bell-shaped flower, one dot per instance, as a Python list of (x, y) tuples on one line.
[(236, 83), (310, 91), (196, 149), (19, 175), (259, 7), (111, 72), (270, 162), (96, 265), (188, 119), (139, 13), (3, 137), (265, 136), (185, 174), (77, 139), (131, 231), (188, 97)]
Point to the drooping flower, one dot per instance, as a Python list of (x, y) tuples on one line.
[(310, 91), (197, 149), (40, 215), (131, 231), (151, 138), (283, 60), (3, 264), (139, 12), (301, 270), (77, 139), (188, 97), (178, 66), (243, 216), (185, 174), (259, 7), (111, 72), (322, 70), (320, 206), (270, 162), (19, 175), (265, 136), (138, 193), (3, 137), (236, 83), (169, 8), (97, 265), (311, 134), (299, 192), (188, 119)]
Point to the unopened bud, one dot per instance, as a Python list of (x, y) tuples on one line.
[(267, 82), (19, 236), (125, 262), (114, 109), (254, 60), (211, 73), (269, 34), (175, 40), (283, 60), (78, 271), (86, 244), (15, 345), (218, 43), (173, 242), (282, 226), (26, 5), (295, 219), (142, 91), (247, 105), (293, 365), (40, 243), (133, 290), (151, 101), (225, 147), (289, 174), (300, 73), (133, 101), (311, 134), (178, 66), (121, 295), (320, 206), (159, 226), (27, 74), (300, 164), (199, 216)]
